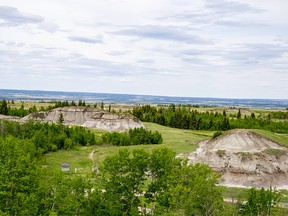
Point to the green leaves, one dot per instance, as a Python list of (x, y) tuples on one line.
[(136, 136), (171, 183), (261, 202), (48, 137), (4, 108), (18, 177), (124, 177), (193, 188)]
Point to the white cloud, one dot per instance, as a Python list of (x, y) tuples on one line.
[(219, 48)]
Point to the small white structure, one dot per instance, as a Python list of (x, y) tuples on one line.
[(65, 166), (95, 169)]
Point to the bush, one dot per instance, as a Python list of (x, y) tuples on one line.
[(221, 153), (217, 134)]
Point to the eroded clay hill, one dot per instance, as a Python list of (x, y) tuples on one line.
[(87, 117), (245, 159)]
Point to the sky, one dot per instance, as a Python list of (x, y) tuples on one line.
[(194, 48)]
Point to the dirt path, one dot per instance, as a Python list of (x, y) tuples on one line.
[(91, 155)]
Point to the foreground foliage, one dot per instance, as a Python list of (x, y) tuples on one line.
[(18, 177), (134, 182), (261, 202), (117, 190), (48, 137)]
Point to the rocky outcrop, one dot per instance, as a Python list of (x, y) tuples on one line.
[(245, 159), (87, 117)]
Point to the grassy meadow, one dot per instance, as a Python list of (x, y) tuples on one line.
[(178, 140)]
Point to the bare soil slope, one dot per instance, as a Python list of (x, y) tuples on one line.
[(245, 159), (88, 117)]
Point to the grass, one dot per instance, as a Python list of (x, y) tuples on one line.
[(279, 138), (180, 141), (276, 152), (30, 104), (77, 157), (284, 196)]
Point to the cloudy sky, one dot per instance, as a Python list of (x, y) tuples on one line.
[(200, 48)]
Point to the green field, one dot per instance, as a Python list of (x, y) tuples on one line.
[(277, 137), (30, 104), (178, 140)]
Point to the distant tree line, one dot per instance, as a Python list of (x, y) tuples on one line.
[(186, 118), (136, 136), (48, 137)]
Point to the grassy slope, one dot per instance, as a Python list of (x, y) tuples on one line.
[(280, 138), (179, 140)]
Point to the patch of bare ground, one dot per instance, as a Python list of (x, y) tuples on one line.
[(88, 117), (245, 159)]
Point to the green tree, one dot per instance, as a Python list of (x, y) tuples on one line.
[(162, 162), (19, 177), (101, 203), (239, 114), (4, 107), (124, 177), (60, 118), (62, 195), (261, 202), (193, 188)]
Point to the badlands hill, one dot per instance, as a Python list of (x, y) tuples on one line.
[(245, 159), (86, 117)]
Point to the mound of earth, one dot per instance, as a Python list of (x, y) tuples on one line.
[(245, 159), (87, 117)]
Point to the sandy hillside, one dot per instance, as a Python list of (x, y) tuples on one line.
[(87, 117), (245, 159)]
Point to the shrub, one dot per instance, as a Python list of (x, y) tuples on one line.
[(217, 134), (220, 153)]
